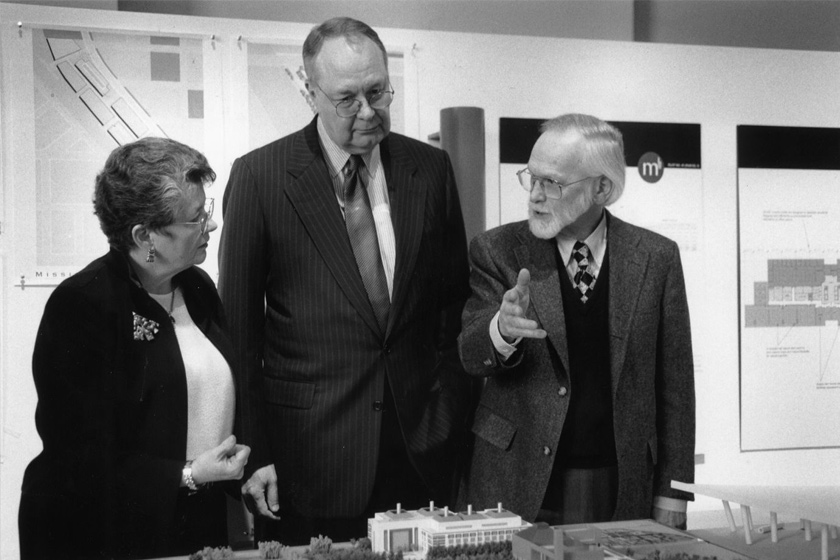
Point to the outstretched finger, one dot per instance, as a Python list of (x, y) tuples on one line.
[(522, 282)]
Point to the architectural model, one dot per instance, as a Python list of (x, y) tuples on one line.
[(415, 531), (617, 540), (817, 504)]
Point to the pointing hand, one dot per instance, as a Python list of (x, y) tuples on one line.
[(512, 321)]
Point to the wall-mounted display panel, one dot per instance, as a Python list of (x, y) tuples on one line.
[(789, 277), (92, 92)]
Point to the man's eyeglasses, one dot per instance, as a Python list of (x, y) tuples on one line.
[(204, 221), (349, 106), (552, 188)]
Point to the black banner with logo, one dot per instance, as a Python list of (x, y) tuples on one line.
[(677, 144)]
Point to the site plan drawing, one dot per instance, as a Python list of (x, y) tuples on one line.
[(93, 92)]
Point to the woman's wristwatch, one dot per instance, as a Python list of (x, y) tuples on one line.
[(187, 477)]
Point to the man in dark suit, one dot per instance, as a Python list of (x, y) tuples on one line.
[(580, 323), (349, 356)]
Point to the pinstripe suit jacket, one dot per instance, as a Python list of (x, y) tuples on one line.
[(312, 357), (522, 409)]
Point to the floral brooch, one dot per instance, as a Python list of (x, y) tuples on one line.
[(144, 329)]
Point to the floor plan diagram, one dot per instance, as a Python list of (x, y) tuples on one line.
[(797, 293)]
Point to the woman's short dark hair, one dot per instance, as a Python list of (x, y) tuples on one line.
[(351, 29), (144, 183)]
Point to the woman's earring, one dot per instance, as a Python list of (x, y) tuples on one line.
[(150, 256)]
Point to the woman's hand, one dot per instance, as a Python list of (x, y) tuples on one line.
[(226, 461)]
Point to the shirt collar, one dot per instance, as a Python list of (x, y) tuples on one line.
[(597, 242), (336, 157)]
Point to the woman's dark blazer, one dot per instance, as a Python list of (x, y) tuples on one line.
[(112, 413)]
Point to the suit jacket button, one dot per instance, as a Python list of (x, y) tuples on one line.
[(546, 450), (378, 406), (562, 392)]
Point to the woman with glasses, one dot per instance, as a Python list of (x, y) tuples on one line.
[(136, 397)]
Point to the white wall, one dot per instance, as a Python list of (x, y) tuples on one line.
[(508, 76)]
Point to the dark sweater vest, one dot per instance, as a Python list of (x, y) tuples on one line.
[(588, 438)]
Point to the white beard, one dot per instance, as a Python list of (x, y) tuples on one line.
[(556, 216), (544, 226)]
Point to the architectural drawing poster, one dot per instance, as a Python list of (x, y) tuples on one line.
[(92, 93), (789, 243)]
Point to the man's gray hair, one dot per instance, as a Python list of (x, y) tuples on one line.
[(603, 148)]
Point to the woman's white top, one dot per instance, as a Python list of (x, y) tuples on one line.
[(210, 391)]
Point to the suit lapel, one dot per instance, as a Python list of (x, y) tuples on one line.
[(627, 267), (537, 255), (408, 206), (310, 191)]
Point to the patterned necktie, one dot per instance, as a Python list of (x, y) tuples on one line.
[(361, 229), (584, 282)]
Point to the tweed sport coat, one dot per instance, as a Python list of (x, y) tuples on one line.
[(313, 359), (522, 409)]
